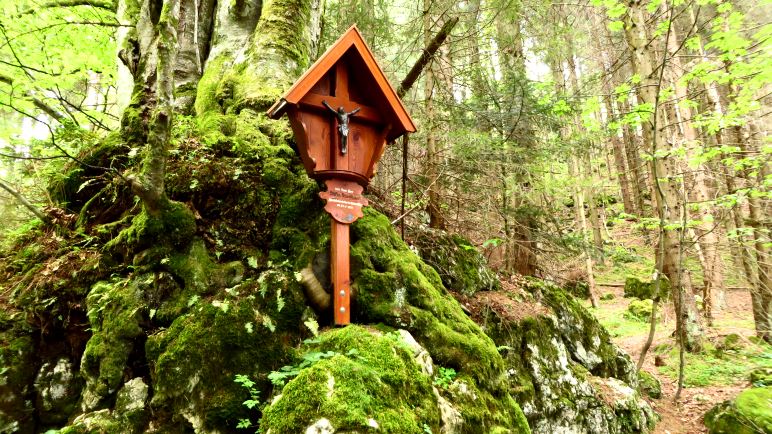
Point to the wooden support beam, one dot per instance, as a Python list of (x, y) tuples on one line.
[(340, 273)]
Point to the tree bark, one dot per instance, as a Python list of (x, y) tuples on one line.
[(713, 270), (668, 198), (436, 219)]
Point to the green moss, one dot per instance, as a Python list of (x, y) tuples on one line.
[(394, 287), (278, 54), (98, 422), (18, 366), (379, 382), (715, 367), (207, 99), (251, 329), (174, 226), (749, 413), (761, 377), (649, 385), (639, 289), (732, 342), (639, 310), (115, 311), (461, 267), (200, 276)]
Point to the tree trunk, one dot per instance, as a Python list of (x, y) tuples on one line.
[(634, 163), (713, 271), (618, 149), (432, 149), (669, 202)]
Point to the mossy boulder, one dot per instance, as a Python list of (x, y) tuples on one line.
[(129, 416), (563, 367), (639, 310), (579, 289), (749, 413), (250, 329), (731, 342), (18, 360), (460, 265), (116, 310), (761, 377), (649, 385), (636, 288), (58, 389), (393, 286), (607, 296), (360, 380)]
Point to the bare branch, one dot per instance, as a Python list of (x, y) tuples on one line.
[(426, 57), (108, 6), (22, 200)]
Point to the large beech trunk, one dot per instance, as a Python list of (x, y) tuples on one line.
[(172, 44)]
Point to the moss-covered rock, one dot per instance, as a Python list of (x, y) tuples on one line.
[(393, 286), (18, 364), (636, 288), (649, 385), (461, 266), (639, 310), (731, 342), (130, 415), (173, 225), (749, 413), (115, 311), (366, 381), (578, 289), (761, 377), (250, 330), (563, 368), (57, 387)]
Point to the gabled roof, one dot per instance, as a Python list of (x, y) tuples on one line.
[(351, 38)]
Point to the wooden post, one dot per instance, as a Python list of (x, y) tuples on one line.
[(340, 272)]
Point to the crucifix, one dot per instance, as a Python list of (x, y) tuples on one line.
[(343, 150), (342, 124)]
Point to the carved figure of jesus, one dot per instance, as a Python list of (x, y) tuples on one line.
[(342, 116)]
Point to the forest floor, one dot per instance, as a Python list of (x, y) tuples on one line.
[(710, 377)]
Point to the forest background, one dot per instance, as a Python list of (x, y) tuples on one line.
[(584, 143)]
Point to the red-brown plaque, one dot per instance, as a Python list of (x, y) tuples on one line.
[(344, 200), (343, 111)]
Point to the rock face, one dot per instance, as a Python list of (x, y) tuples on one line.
[(460, 266), (563, 368), (749, 413)]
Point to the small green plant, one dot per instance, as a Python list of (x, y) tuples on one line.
[(444, 377), (252, 402), (279, 378)]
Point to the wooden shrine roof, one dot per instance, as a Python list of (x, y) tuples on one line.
[(350, 39)]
